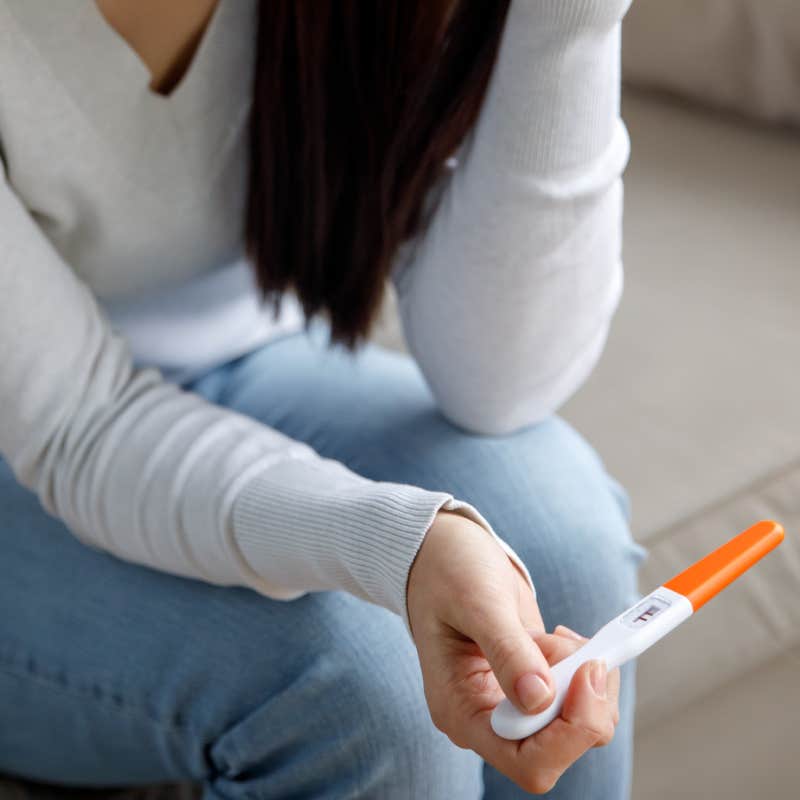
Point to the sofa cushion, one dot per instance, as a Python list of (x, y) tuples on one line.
[(740, 54), (737, 744)]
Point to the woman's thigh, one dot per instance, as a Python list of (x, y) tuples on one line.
[(115, 674)]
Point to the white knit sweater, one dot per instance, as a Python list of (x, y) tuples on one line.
[(117, 203)]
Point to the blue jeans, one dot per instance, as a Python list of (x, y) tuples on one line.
[(115, 674)]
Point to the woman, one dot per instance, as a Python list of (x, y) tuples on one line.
[(179, 463)]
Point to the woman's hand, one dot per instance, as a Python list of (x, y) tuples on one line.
[(479, 635)]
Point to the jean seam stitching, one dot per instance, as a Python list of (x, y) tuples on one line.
[(93, 692)]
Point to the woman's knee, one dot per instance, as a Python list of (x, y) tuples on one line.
[(569, 523), (546, 492), (571, 529)]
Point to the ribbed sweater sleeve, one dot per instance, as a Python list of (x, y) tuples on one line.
[(507, 299)]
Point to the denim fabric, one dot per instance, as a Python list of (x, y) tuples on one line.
[(115, 674)]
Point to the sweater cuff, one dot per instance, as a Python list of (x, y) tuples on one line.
[(313, 525)]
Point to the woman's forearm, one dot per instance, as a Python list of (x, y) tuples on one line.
[(507, 297)]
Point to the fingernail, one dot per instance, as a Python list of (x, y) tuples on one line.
[(565, 631), (532, 690), (598, 677)]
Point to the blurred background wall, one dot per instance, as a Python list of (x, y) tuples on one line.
[(742, 55)]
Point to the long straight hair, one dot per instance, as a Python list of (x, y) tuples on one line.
[(357, 105)]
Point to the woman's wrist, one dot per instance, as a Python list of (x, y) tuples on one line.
[(455, 512), (440, 563)]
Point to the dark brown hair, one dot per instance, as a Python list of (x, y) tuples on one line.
[(357, 105)]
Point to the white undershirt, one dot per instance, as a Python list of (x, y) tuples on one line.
[(187, 329)]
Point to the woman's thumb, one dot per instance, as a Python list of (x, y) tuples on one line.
[(516, 660)]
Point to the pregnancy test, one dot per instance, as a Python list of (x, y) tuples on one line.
[(652, 618)]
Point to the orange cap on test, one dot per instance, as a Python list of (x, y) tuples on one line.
[(713, 573)]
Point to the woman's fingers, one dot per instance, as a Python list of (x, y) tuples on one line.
[(556, 647), (564, 642), (586, 721), (563, 630), (516, 660), (536, 763), (613, 692)]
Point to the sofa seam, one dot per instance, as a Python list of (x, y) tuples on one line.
[(762, 482)]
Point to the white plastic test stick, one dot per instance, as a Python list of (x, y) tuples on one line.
[(652, 618)]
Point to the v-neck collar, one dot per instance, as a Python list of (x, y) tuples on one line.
[(110, 84), (208, 34)]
